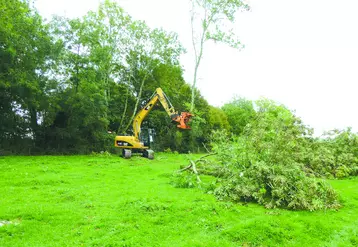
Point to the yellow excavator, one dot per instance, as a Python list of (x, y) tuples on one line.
[(130, 144)]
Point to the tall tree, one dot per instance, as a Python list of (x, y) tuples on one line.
[(151, 48), (106, 60), (211, 20), (25, 52)]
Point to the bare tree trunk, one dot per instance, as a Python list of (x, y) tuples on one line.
[(106, 88), (137, 103), (198, 55), (124, 113), (33, 121)]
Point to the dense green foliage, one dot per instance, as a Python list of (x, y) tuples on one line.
[(65, 84), (101, 200), (334, 155), (25, 54), (253, 168), (239, 113), (272, 158), (277, 135)]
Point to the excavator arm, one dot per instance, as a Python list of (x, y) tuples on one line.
[(181, 119)]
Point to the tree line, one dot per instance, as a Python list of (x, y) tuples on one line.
[(70, 85)]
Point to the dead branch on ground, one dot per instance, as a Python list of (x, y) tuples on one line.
[(192, 165)]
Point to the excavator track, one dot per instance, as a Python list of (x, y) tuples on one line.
[(127, 153), (148, 154)]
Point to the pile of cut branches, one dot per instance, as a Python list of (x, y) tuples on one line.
[(267, 164)]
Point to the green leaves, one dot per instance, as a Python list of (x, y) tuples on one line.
[(212, 20), (266, 163), (334, 155), (26, 48), (239, 112), (217, 18), (63, 85)]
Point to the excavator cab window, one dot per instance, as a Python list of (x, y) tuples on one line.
[(147, 136)]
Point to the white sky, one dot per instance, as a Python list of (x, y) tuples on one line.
[(302, 53)]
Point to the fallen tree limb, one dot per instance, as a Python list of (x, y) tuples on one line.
[(207, 150), (185, 168), (192, 165), (206, 155)]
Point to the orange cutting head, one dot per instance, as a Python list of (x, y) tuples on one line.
[(182, 120)]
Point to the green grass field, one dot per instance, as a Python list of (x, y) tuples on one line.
[(109, 201)]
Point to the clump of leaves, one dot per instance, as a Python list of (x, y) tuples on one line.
[(334, 155), (184, 180), (277, 186)]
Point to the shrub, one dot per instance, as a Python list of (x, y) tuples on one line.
[(334, 155), (184, 180)]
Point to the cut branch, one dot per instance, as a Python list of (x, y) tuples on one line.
[(195, 171), (192, 165)]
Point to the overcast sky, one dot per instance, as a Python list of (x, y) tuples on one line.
[(301, 53)]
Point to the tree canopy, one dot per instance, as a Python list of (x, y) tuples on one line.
[(66, 84)]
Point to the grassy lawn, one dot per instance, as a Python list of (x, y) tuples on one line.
[(109, 201)]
